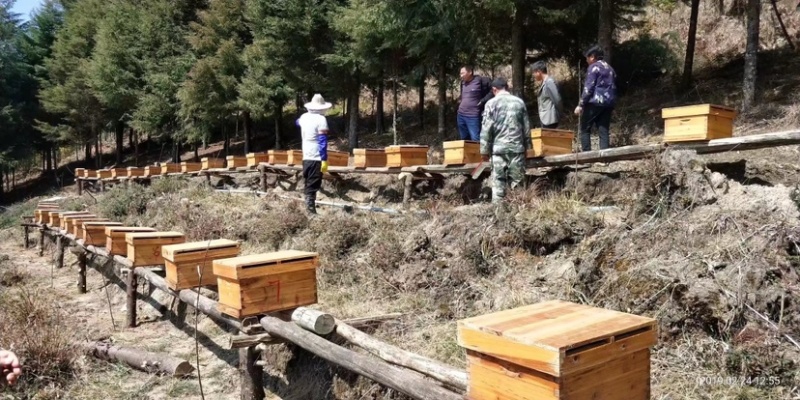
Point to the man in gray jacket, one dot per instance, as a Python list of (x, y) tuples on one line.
[(550, 105)]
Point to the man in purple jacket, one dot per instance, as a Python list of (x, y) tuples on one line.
[(598, 99), (476, 91)]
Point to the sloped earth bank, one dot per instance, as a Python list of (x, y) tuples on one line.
[(713, 257)]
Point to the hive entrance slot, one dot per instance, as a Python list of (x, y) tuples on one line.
[(632, 333), (588, 346)]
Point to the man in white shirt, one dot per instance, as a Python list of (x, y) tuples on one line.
[(314, 129)]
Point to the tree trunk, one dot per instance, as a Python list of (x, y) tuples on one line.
[(130, 137), (98, 154), (352, 126), (135, 135), (278, 125), (196, 153), (751, 54), (518, 53), (394, 110), (442, 99), (688, 64), (226, 141), (605, 32), (783, 26), (119, 130), (49, 158), (87, 152), (379, 108), (140, 359), (248, 131), (421, 103)]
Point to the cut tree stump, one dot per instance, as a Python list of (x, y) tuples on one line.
[(142, 360)]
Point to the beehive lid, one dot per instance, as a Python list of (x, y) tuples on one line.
[(63, 214), (173, 250), (133, 168), (459, 144), (253, 155), (697, 110), (102, 223), (552, 133), (78, 217), (265, 264), (407, 149), (557, 336), (127, 229), (368, 151), (234, 158), (136, 236), (271, 152)]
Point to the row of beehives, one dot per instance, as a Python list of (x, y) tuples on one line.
[(248, 285), (551, 350)]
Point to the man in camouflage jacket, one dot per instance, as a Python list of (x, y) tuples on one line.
[(505, 139)]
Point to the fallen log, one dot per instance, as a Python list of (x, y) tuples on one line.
[(406, 382), (140, 359), (240, 341), (441, 372), (314, 320)]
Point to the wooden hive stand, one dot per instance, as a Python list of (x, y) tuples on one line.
[(253, 159), (182, 261), (558, 351), (338, 158), (119, 173), (144, 248), (90, 173), (462, 152), (68, 221), (277, 157), (550, 142), (406, 156), (115, 238), (170, 168), (135, 172), (187, 167), (77, 225), (294, 157), (236, 162), (698, 123), (94, 232), (212, 163), (264, 283)]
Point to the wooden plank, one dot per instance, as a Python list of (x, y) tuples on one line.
[(698, 109), (265, 264), (536, 358), (184, 275), (492, 379)]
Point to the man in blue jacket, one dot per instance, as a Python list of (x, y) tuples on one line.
[(476, 91), (598, 99)]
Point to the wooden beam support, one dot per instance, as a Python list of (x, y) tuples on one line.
[(82, 272), (131, 289), (27, 237), (79, 183), (140, 359), (406, 382), (60, 251), (251, 375), (41, 241)]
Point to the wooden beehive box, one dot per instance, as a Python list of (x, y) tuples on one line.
[(253, 159), (212, 163), (294, 157), (236, 162), (338, 158), (556, 351), (462, 152), (406, 156), (67, 221), (182, 260), (38, 213), (278, 157), (135, 171), (115, 238), (119, 172), (187, 167), (144, 248), (698, 123), (264, 283), (550, 142), (53, 218), (369, 158), (77, 225), (79, 172), (104, 174), (57, 218), (90, 173), (170, 168), (94, 232)]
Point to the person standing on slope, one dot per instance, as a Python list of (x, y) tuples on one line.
[(475, 92), (505, 139), (597, 100), (314, 130), (550, 103)]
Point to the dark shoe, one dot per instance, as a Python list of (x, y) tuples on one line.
[(311, 208)]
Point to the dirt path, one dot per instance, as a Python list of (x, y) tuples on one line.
[(89, 316)]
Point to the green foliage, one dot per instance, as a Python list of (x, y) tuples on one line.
[(640, 61), (123, 201)]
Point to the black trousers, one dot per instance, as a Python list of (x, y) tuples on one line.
[(595, 116), (312, 174)]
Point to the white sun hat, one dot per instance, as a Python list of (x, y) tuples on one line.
[(318, 103)]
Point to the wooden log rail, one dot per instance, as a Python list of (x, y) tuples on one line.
[(419, 377)]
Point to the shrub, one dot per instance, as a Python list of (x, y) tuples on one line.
[(642, 60), (123, 201)]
